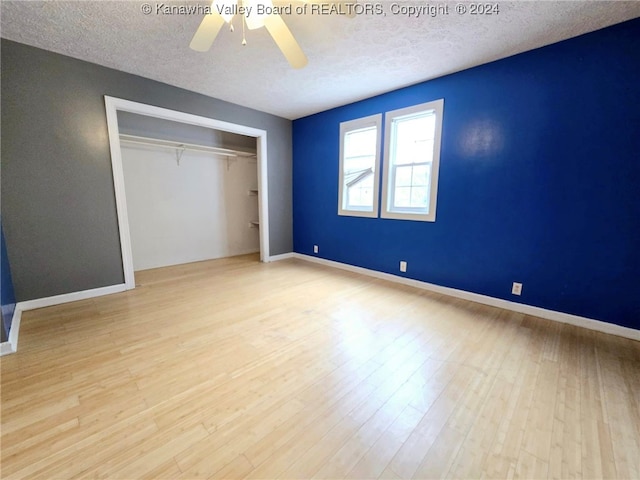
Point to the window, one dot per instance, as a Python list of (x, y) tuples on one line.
[(412, 156), (359, 166)]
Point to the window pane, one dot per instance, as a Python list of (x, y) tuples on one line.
[(403, 176), (413, 139), (360, 149), (419, 198), (412, 186), (402, 197), (360, 197), (358, 165), (353, 197), (360, 194), (421, 175)]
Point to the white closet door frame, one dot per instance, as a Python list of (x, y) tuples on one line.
[(113, 106)]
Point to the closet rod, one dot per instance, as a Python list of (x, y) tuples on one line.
[(225, 152)]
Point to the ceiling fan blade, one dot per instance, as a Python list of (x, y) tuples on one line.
[(285, 40), (207, 31)]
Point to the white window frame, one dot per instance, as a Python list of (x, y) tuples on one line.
[(388, 173), (346, 127)]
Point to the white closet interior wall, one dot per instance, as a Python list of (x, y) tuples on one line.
[(196, 208)]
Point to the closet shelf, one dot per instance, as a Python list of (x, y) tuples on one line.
[(155, 142)]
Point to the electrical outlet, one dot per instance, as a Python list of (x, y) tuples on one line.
[(315, 249), (403, 266), (516, 289)]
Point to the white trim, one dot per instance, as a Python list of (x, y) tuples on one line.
[(386, 212), (346, 127), (70, 297), (11, 345), (263, 194), (282, 256), (561, 317), (6, 349), (121, 200), (113, 105)]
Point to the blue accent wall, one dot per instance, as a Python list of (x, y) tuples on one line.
[(7, 295), (539, 181)]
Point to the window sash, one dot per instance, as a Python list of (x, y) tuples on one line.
[(357, 161), (356, 185), (428, 140), (393, 191), (408, 147)]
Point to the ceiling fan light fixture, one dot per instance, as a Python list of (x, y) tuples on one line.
[(254, 19), (226, 8)]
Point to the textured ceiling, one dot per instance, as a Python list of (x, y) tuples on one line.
[(349, 58)]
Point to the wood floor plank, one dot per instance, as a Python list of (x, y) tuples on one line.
[(375, 461), (234, 368)]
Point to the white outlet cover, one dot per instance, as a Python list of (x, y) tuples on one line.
[(315, 249), (403, 266), (516, 289)]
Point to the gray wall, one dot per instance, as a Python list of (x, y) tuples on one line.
[(58, 203)]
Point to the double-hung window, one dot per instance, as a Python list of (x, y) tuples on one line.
[(359, 166), (412, 157)]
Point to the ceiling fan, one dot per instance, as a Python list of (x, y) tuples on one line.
[(223, 11)]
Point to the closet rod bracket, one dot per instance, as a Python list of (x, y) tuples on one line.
[(179, 153)]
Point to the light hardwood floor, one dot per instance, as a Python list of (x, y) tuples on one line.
[(236, 369)]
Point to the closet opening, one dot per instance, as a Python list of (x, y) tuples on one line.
[(188, 188)]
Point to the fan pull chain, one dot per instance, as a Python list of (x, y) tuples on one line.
[(244, 40)]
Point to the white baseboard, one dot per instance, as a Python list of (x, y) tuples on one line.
[(283, 256), (6, 349), (11, 346), (71, 297), (576, 320)]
